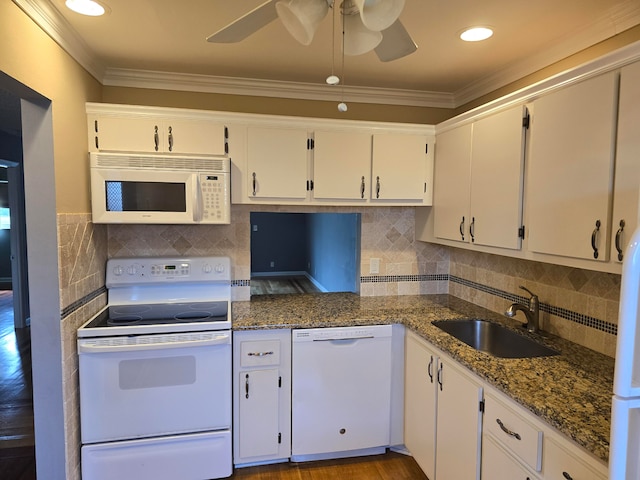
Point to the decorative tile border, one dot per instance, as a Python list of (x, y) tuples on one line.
[(240, 283), (73, 307), (403, 278), (575, 317)]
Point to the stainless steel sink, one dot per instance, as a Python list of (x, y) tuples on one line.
[(494, 339)]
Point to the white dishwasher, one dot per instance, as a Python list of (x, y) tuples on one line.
[(341, 389)]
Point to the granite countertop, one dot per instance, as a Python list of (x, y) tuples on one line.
[(571, 391)]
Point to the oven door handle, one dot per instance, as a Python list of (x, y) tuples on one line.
[(104, 347)]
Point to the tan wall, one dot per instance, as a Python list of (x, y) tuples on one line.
[(607, 46), (274, 106), (30, 56)]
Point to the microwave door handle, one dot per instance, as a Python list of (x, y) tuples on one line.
[(198, 207)]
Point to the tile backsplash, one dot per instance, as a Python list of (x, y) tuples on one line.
[(576, 304)]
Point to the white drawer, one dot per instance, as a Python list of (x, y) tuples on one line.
[(513, 430), (497, 464), (562, 464), (260, 353)]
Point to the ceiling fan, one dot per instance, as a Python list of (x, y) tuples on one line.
[(367, 25)]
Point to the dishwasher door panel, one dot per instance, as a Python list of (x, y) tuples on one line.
[(341, 393)]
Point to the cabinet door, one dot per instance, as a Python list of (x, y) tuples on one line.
[(458, 424), (451, 189), (497, 464), (399, 169), (341, 165), (627, 179), (277, 161), (497, 163), (561, 463), (127, 134), (420, 403), (195, 137), (570, 169), (259, 422)]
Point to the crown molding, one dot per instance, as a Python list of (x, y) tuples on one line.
[(601, 29), (272, 88), (49, 19)]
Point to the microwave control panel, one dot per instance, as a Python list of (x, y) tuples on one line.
[(216, 206)]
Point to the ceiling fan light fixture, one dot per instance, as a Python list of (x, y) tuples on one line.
[(476, 34), (90, 8), (302, 17), (358, 39), (378, 15)]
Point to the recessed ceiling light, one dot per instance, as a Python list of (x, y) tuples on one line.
[(86, 7), (476, 34)]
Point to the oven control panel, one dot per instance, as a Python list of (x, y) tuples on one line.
[(143, 270)]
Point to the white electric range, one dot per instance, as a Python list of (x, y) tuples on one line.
[(155, 372)]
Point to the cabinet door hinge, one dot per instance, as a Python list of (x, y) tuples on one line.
[(521, 232), (279, 382), (310, 143), (526, 120), (482, 406), (279, 437)]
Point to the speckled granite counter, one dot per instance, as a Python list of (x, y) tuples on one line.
[(572, 391)]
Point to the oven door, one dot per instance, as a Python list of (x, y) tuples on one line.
[(152, 385)]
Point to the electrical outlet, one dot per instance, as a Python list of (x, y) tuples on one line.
[(374, 265)]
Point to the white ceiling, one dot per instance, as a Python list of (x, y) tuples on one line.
[(141, 38)]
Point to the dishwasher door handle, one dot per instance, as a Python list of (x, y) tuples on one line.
[(351, 339)]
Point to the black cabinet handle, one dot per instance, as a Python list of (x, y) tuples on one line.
[(362, 188), (377, 187), (440, 376), (462, 228), (594, 236), (156, 138), (507, 431), (618, 237), (472, 229), (567, 476), (170, 139), (254, 183), (246, 385), (430, 369)]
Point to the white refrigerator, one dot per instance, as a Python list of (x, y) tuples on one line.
[(624, 453)]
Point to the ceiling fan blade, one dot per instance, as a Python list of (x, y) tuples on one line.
[(246, 25), (396, 43)]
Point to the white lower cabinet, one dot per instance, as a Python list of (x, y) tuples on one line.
[(442, 413), (498, 464), (261, 396), (517, 445)]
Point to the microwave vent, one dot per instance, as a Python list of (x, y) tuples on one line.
[(162, 163)]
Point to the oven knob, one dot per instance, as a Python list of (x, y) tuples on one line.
[(207, 268), (118, 270), (220, 268), (131, 270)]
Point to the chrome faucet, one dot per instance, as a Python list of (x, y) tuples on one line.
[(532, 312)]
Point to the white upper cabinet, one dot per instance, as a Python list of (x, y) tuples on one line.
[(497, 164), (341, 165), (479, 181), (570, 169), (452, 191), (146, 134), (402, 168), (277, 163), (626, 188)]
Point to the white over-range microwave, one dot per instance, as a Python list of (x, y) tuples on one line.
[(138, 188)]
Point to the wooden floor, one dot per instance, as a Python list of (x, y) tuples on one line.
[(280, 285), (17, 455), (390, 466)]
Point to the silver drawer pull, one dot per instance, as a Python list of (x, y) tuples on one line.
[(507, 431), (259, 354)]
